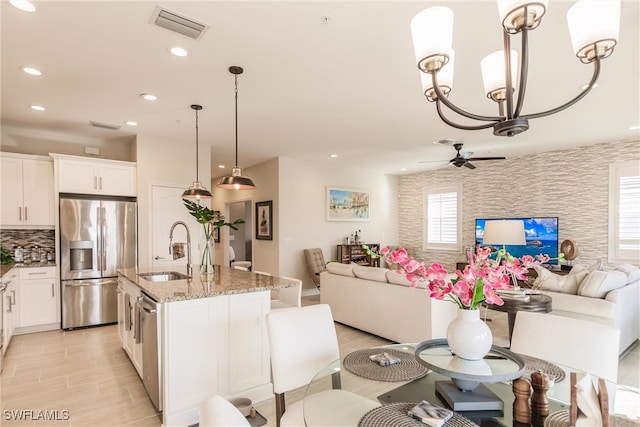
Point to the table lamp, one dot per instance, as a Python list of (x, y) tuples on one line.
[(505, 232)]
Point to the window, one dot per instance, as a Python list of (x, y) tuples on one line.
[(624, 212), (443, 217)]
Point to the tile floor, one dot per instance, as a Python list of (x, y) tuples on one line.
[(84, 378)]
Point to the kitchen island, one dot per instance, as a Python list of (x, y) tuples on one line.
[(211, 337)]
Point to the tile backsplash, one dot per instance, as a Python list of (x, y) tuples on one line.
[(45, 239)]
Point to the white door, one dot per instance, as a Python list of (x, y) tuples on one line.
[(167, 208)]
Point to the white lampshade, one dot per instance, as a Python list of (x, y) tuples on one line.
[(504, 232), (594, 21), (445, 78), (511, 13), (432, 32), (493, 71)]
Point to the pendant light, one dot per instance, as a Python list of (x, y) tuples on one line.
[(196, 191), (236, 181)]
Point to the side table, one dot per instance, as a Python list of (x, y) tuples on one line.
[(537, 302)]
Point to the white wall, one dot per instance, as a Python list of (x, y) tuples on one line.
[(302, 213), (163, 162)]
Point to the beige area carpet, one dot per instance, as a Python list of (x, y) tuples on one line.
[(499, 326)]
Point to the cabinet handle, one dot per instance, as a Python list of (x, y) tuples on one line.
[(100, 181), (8, 304), (95, 182), (20, 214), (25, 213), (13, 297), (157, 257), (53, 291), (37, 273)]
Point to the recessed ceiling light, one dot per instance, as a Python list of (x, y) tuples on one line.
[(23, 5), (32, 71), (131, 123), (403, 169), (179, 51), (148, 96), (220, 166), (333, 156), (37, 107), (636, 127)]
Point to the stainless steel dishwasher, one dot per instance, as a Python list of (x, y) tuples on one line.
[(149, 312)]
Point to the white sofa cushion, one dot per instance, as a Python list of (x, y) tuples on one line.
[(341, 269), (370, 273), (566, 284), (632, 272), (599, 283), (396, 278)]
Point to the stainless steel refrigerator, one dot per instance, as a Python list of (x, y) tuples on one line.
[(97, 237)]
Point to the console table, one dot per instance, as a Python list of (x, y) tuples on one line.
[(537, 302), (355, 254)]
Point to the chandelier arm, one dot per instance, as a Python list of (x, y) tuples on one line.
[(594, 78), (455, 125), (507, 69), (442, 97), (524, 68)]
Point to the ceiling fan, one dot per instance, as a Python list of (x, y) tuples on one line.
[(464, 159)]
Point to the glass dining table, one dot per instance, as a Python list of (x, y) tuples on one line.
[(480, 392)]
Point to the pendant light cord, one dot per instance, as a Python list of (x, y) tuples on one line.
[(236, 94), (197, 174)]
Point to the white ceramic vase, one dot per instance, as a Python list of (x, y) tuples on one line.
[(468, 336)]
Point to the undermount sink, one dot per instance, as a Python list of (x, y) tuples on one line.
[(163, 276)]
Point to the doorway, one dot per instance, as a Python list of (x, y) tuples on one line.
[(241, 239)]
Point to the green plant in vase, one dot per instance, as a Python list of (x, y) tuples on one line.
[(211, 220)]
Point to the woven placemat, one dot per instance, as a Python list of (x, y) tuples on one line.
[(561, 419), (533, 364), (395, 414), (408, 369)]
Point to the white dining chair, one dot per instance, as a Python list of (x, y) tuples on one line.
[(303, 341), (217, 411), (584, 345), (288, 297)]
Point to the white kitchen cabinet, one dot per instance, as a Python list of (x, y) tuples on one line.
[(27, 191), (11, 312), (91, 176), (39, 296), (129, 322)]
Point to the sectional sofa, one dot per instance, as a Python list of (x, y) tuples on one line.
[(611, 297), (382, 302)]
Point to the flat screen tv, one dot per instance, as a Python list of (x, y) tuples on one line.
[(541, 234)]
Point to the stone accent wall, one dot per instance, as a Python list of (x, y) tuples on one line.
[(570, 184)]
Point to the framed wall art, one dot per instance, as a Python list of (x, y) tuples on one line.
[(348, 204), (264, 226)]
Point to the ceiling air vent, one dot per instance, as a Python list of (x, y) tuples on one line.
[(180, 24), (104, 125)]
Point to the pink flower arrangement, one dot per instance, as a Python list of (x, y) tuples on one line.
[(477, 283)]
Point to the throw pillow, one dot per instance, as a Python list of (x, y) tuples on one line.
[(632, 272), (341, 269), (370, 273), (599, 283), (397, 278), (567, 284)]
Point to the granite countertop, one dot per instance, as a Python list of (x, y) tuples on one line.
[(225, 281), (4, 269)]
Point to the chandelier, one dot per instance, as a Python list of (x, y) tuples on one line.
[(593, 26)]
